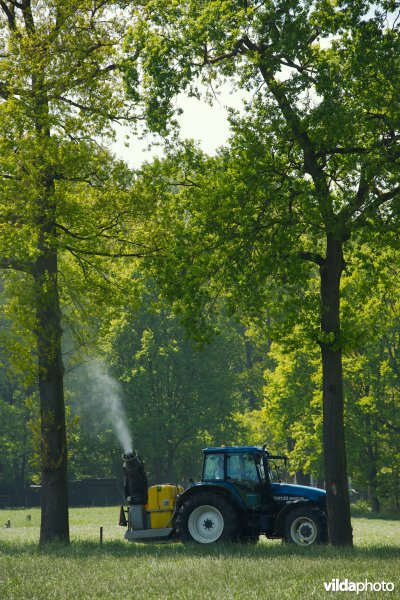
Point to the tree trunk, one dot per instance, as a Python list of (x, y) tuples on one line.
[(170, 464), (53, 452), (373, 498), (53, 443), (338, 505), (396, 491), (372, 476), (251, 397), (302, 478), (19, 467)]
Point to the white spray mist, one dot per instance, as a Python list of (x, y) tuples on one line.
[(106, 394)]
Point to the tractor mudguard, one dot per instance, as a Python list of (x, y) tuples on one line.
[(280, 517), (225, 489)]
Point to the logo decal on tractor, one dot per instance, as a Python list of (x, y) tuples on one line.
[(288, 498)]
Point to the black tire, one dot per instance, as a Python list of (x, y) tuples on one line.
[(206, 518), (305, 526)]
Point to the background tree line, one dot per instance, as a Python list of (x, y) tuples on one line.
[(240, 387)]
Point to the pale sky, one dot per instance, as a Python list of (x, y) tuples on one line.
[(206, 124)]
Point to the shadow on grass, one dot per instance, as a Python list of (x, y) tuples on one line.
[(176, 550)]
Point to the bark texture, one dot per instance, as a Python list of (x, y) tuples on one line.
[(53, 452), (338, 504)]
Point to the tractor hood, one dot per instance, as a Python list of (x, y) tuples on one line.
[(286, 492)]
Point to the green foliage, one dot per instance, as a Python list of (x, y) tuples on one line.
[(17, 399), (361, 507), (290, 414), (371, 368)]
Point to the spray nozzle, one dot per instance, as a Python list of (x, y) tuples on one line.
[(129, 455)]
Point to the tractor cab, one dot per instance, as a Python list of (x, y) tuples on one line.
[(245, 468)]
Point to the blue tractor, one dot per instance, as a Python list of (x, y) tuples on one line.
[(238, 498)]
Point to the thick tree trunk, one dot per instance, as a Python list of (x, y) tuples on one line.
[(338, 505), (53, 452)]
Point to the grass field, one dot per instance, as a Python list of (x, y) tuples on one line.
[(119, 569)]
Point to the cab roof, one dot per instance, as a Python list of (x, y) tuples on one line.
[(232, 449)]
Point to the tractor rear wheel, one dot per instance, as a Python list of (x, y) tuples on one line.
[(206, 518), (305, 526)]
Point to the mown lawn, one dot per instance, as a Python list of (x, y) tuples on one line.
[(123, 570)]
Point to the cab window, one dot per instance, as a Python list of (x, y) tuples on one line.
[(241, 467), (213, 466), (260, 467)]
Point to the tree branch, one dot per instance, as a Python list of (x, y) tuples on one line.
[(115, 118), (19, 5), (28, 16), (185, 183), (312, 257), (82, 80), (389, 425), (92, 110), (383, 197), (88, 237), (380, 199), (9, 14), (382, 143), (311, 165), (362, 193), (16, 265), (344, 151), (77, 251), (237, 49), (288, 62), (82, 262)]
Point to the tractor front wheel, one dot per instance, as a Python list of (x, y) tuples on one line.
[(206, 518), (305, 526)]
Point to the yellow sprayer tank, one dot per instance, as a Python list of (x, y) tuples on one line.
[(161, 504)]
